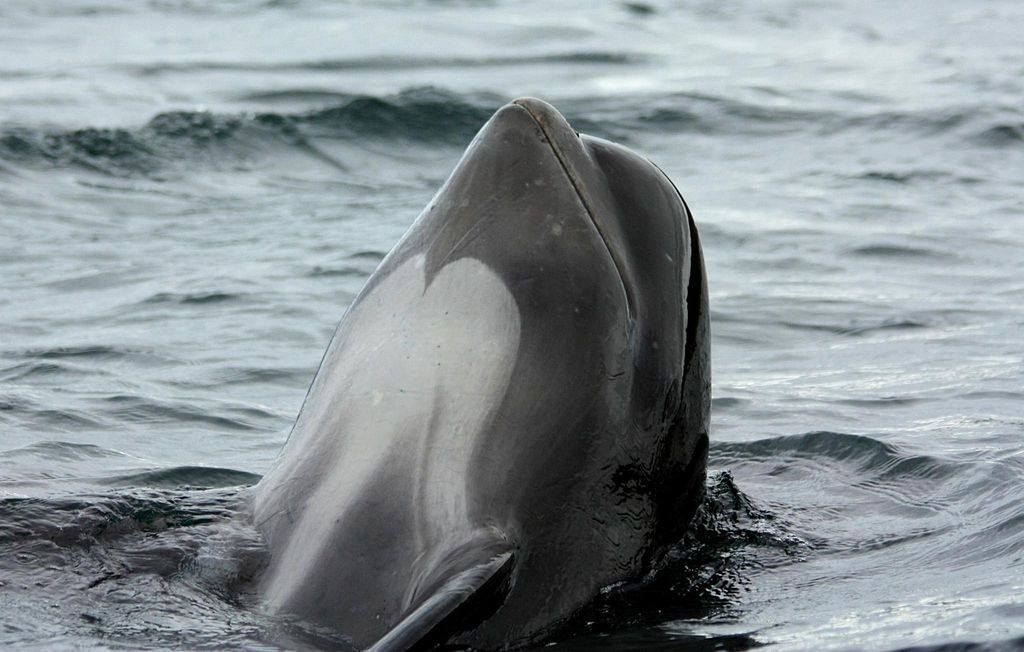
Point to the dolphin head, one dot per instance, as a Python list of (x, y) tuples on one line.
[(524, 378)]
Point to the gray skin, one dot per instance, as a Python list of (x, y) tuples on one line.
[(513, 413)]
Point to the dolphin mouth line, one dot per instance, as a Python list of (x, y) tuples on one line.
[(576, 185)]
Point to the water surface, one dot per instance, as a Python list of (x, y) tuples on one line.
[(192, 191)]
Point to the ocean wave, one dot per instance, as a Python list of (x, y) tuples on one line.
[(720, 115), (186, 477), (386, 64), (866, 456), (965, 505), (177, 140)]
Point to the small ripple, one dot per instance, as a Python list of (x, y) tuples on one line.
[(694, 112), (1002, 135), (64, 419), (64, 451), (640, 8), (149, 410), (1004, 645), (42, 371), (85, 351), (897, 251), (361, 264), (198, 298), (102, 280), (368, 255), (883, 541), (993, 394), (931, 121), (18, 409), (881, 401), (713, 114), (858, 328), (912, 176), (186, 477), (355, 272), (91, 352), (13, 403), (386, 63), (725, 403), (289, 95), (247, 375)]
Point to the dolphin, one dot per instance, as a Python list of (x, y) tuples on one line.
[(512, 415)]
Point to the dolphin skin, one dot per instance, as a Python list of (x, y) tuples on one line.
[(513, 413)]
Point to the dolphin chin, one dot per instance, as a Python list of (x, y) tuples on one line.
[(513, 413)]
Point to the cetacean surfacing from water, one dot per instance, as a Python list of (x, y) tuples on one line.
[(513, 413)]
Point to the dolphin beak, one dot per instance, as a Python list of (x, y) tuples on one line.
[(564, 140), (568, 149), (573, 156), (548, 117)]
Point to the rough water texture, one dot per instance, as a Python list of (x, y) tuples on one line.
[(191, 192)]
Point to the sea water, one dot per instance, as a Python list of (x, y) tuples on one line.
[(192, 191)]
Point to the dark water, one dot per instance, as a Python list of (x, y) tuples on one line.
[(192, 191)]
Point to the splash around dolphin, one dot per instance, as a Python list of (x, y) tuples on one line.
[(513, 413)]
